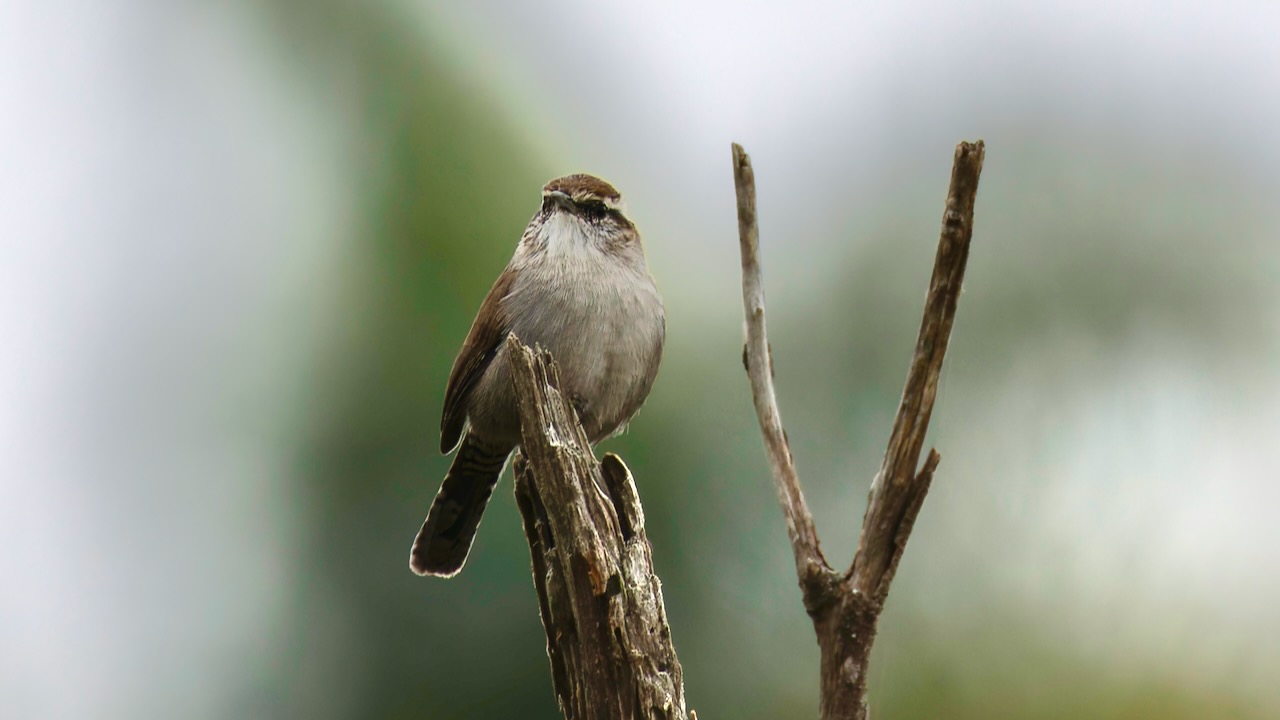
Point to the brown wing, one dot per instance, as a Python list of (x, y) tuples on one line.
[(488, 331)]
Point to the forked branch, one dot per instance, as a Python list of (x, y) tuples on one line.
[(845, 608)]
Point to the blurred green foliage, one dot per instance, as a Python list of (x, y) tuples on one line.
[(448, 191)]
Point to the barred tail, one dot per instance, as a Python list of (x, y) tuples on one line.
[(445, 539)]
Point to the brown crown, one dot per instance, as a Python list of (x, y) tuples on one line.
[(582, 185)]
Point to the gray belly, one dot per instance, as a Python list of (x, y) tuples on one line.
[(606, 339)]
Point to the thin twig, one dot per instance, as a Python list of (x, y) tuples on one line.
[(897, 491), (800, 527)]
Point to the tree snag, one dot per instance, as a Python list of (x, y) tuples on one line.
[(600, 600)]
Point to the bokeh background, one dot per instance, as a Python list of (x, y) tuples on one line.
[(240, 243)]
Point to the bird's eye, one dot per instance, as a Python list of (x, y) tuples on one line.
[(592, 208)]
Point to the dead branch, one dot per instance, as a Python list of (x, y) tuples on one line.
[(810, 565), (845, 608)]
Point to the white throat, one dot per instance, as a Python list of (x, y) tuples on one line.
[(565, 234)]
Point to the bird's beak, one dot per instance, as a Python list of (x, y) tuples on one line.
[(561, 199)]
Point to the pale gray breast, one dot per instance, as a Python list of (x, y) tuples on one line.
[(602, 320)]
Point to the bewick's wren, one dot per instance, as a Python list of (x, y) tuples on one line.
[(579, 286)]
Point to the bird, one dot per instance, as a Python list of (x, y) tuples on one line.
[(579, 286)]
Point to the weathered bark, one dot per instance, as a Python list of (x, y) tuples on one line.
[(601, 602), (845, 607)]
